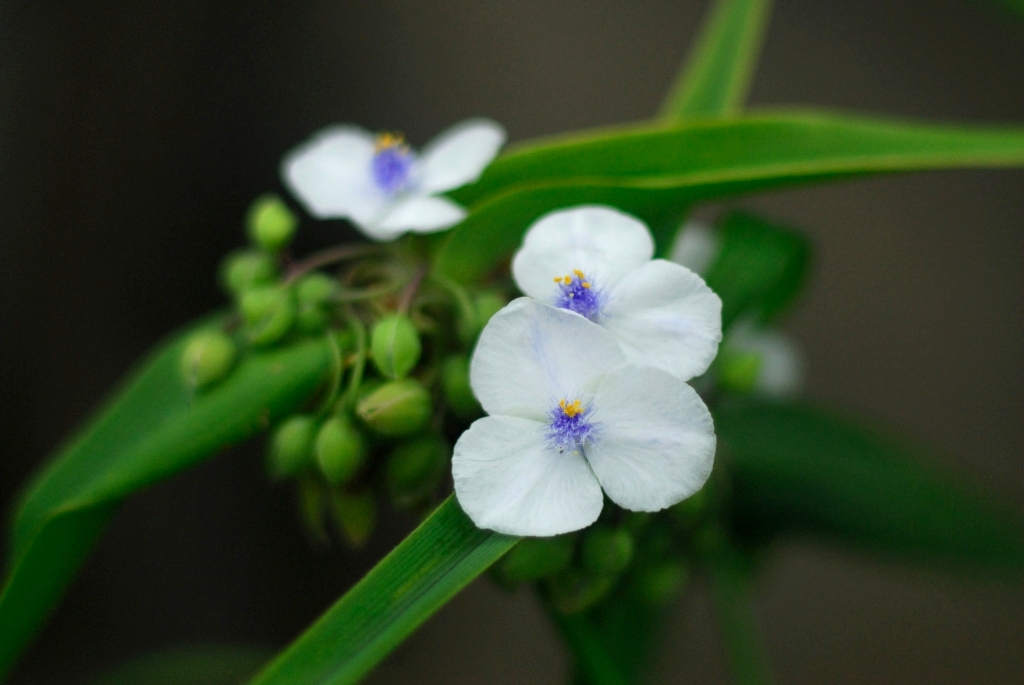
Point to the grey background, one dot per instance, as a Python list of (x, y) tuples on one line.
[(133, 136)]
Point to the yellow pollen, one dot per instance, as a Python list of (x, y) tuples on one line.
[(568, 279), (386, 140), (570, 409), (579, 274), (585, 284), (558, 279)]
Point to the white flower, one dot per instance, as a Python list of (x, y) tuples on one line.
[(382, 185), (696, 246), (568, 417), (596, 261)]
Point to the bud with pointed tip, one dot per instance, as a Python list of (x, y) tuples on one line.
[(314, 293), (415, 469), (458, 394), (242, 271), (291, 447), (207, 358), (271, 224), (355, 515), (395, 346), (268, 313), (396, 408), (340, 450)]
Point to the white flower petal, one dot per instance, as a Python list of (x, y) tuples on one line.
[(509, 480), (696, 247), (664, 315), (459, 155), (781, 373), (530, 356), (656, 441), (330, 175), (421, 214), (604, 243)]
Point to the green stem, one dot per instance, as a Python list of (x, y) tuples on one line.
[(730, 586), (352, 394), (592, 663)]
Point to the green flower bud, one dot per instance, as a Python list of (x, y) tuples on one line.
[(312, 320), (607, 551), (242, 271), (271, 224), (572, 592), (291, 447), (268, 313), (396, 408), (457, 391), (207, 358), (659, 584), (395, 346), (536, 558), (738, 371), (312, 508), (316, 289), (355, 515), (485, 305), (415, 469), (340, 450)]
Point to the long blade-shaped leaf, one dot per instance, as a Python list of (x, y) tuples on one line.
[(426, 570), (717, 73), (755, 151), (152, 429), (796, 471), (658, 173)]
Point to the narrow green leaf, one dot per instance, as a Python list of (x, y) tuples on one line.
[(205, 665), (152, 429), (796, 471), (759, 269), (717, 73), (426, 570), (746, 153), (656, 173)]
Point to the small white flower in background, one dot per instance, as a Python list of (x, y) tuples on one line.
[(596, 261), (696, 247), (383, 186), (568, 417)]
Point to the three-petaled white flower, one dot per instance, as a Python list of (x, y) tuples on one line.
[(381, 185), (596, 261), (568, 416)]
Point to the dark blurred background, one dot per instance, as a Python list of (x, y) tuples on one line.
[(134, 135)]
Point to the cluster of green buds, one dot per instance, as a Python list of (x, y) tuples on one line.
[(398, 393)]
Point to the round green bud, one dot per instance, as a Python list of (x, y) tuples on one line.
[(207, 358), (660, 583), (291, 447), (268, 313), (607, 551), (395, 346), (739, 371), (242, 271), (572, 592), (455, 385), (485, 305), (312, 320), (415, 469), (396, 408), (271, 224), (316, 289), (340, 450), (355, 515), (536, 558)]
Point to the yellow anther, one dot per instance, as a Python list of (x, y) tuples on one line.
[(386, 140), (568, 279), (558, 279), (585, 284), (570, 409), (579, 274)]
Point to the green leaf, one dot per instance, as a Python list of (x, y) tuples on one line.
[(657, 173), (759, 269), (718, 71), (152, 429), (427, 569), (796, 471), (206, 665)]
